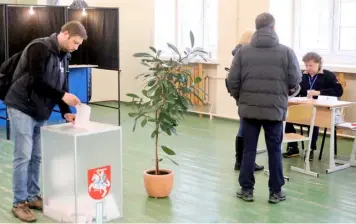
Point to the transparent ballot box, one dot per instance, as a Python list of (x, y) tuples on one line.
[(82, 172)]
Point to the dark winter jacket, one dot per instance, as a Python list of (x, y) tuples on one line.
[(39, 81), (260, 76), (233, 54), (325, 82)]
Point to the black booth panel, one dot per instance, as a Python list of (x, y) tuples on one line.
[(102, 25), (2, 33), (24, 27), (79, 56), (102, 46)]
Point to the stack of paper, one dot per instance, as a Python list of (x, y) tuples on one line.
[(348, 125)]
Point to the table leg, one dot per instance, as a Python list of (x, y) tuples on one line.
[(306, 169), (352, 160), (332, 166)]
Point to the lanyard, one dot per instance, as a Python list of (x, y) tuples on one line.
[(311, 84)]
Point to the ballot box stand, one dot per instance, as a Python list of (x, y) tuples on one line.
[(82, 172)]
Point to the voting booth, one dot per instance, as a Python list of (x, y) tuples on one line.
[(82, 172)]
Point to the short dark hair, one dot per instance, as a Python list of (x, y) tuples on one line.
[(313, 56), (264, 20), (75, 28)]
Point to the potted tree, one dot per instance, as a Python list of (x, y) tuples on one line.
[(165, 98)]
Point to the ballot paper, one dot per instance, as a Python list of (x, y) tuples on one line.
[(83, 116)]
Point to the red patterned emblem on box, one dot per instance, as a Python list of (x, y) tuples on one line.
[(99, 182)]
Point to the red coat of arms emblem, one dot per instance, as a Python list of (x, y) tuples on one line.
[(99, 182)]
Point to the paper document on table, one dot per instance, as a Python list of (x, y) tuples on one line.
[(299, 98), (347, 125), (83, 115)]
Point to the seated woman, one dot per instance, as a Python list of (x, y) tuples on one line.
[(316, 81)]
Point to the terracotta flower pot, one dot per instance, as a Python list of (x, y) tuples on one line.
[(158, 186)]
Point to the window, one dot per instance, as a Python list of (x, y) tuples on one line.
[(174, 19), (327, 27), (313, 25), (347, 26), (282, 10)]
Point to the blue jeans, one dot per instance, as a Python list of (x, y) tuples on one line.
[(25, 132), (273, 137)]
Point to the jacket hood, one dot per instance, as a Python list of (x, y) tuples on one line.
[(236, 49), (265, 38)]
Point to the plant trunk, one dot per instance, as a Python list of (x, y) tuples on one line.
[(156, 144)]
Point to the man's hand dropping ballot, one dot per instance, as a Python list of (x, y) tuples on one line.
[(82, 117)]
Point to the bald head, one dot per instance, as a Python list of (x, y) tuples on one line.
[(264, 20)]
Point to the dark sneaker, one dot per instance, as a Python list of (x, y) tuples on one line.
[(24, 213), (275, 198), (259, 168), (291, 152), (246, 195), (36, 204)]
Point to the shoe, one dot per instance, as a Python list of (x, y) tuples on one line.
[(275, 198), (24, 213), (258, 167), (291, 152), (36, 204), (246, 195)]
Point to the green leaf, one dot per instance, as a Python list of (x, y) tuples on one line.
[(133, 114), (197, 80), (151, 82), (151, 120), (132, 95), (168, 150), (159, 52), (151, 92), (154, 133), (134, 127), (191, 39), (153, 49), (170, 159), (160, 160), (144, 122), (174, 48), (140, 55)]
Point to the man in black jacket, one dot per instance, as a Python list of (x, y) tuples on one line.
[(260, 77), (39, 83), (315, 81)]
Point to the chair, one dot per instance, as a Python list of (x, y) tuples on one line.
[(341, 112), (350, 127), (300, 114)]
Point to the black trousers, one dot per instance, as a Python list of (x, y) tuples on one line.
[(290, 129), (274, 136)]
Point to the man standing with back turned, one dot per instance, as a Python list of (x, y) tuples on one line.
[(260, 76), (39, 83)]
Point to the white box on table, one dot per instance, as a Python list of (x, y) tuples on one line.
[(82, 172)]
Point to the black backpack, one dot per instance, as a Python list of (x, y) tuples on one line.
[(7, 70), (8, 67)]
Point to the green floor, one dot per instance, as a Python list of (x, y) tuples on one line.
[(205, 183)]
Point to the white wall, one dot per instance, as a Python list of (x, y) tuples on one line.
[(136, 34)]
